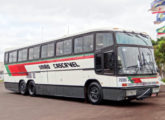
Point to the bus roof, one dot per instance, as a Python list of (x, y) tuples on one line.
[(71, 35)]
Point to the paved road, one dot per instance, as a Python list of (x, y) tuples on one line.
[(17, 107)]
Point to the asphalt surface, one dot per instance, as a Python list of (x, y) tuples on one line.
[(17, 107)]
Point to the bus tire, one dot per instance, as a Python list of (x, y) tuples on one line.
[(95, 94), (22, 87), (32, 88)]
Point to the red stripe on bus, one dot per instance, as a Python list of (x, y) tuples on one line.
[(138, 80), (20, 70)]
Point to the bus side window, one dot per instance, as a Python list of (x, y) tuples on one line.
[(13, 57), (50, 52), (44, 51), (34, 53), (22, 55), (6, 57), (64, 47), (47, 50), (78, 45), (84, 44), (67, 47), (104, 40), (59, 48), (88, 43)]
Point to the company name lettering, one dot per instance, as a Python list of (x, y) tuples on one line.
[(66, 65), (44, 67)]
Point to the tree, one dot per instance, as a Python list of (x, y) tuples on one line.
[(154, 42), (159, 50)]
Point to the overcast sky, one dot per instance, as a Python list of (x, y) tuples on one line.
[(25, 22)]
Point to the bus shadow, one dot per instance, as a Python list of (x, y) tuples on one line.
[(133, 103), (104, 103)]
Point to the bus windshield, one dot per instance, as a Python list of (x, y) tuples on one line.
[(134, 60), (133, 39)]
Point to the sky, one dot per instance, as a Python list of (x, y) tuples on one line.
[(24, 22)]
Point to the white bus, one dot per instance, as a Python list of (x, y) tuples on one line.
[(96, 65)]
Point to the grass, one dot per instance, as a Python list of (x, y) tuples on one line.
[(1, 80), (163, 80)]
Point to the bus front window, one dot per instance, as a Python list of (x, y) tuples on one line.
[(134, 60), (133, 39)]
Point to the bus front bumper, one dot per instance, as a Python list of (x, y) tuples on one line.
[(129, 93)]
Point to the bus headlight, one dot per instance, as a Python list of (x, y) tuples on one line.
[(155, 90), (130, 92)]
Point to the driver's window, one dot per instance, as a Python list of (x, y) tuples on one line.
[(109, 62), (104, 63), (98, 63)]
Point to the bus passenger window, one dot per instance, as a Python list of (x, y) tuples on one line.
[(67, 47), (31, 53), (64, 47), (84, 44), (59, 48), (78, 45), (50, 52), (47, 50), (6, 57), (13, 57), (44, 50), (103, 40), (88, 43), (34, 53), (22, 55)]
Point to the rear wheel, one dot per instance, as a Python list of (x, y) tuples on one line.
[(32, 88), (22, 88), (95, 94)]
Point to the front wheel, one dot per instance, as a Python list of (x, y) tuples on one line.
[(95, 94), (32, 88)]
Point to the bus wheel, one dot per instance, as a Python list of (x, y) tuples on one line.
[(95, 94), (22, 88), (31, 88)]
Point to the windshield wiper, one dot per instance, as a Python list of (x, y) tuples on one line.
[(150, 68), (136, 68), (133, 66)]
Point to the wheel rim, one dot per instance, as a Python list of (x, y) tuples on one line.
[(31, 89), (94, 93), (22, 88)]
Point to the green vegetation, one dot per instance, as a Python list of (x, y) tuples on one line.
[(159, 50), (163, 80), (1, 80)]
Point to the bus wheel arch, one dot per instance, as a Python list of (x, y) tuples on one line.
[(89, 83), (22, 87), (31, 86)]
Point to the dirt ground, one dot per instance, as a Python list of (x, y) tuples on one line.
[(17, 107)]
